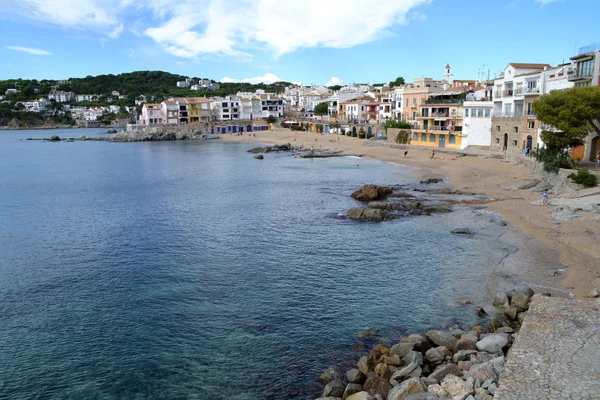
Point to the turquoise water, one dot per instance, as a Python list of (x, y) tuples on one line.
[(189, 270)]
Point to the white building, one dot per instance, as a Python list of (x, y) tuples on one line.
[(170, 110), (516, 80), (35, 105), (477, 124), (93, 113), (60, 96), (272, 105), (11, 91), (397, 102), (114, 109), (225, 109), (86, 97)]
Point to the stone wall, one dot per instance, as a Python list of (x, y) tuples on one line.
[(392, 135), (517, 130)]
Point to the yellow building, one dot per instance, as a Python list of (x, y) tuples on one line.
[(193, 109), (440, 121)]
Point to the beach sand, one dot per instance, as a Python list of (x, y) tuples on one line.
[(576, 242)]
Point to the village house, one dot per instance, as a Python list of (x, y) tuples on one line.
[(152, 114)]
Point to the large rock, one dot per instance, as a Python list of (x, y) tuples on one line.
[(492, 343), (482, 372), (401, 349), (367, 214), (365, 365), (334, 389), (378, 352), (399, 376), (383, 370), (355, 376), (438, 391), (333, 373), (520, 301), (498, 364), (413, 357), (456, 387), (371, 192), (436, 207), (406, 388), (564, 213), (360, 396), (436, 355), (352, 388), (367, 333), (421, 344), (448, 369), (471, 335), (463, 355), (392, 360), (465, 344), (377, 385), (501, 300), (482, 394), (259, 157), (442, 339), (529, 184), (593, 293)]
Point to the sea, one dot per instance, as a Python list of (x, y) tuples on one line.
[(190, 270)]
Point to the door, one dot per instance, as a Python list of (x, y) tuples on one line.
[(505, 148), (442, 141), (530, 142)]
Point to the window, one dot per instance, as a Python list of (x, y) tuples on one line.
[(530, 124), (487, 113), (432, 138), (414, 115), (466, 112), (452, 139), (415, 136), (423, 137), (422, 100), (497, 140), (498, 128), (480, 112), (407, 102), (514, 143), (516, 129), (414, 101), (508, 109)]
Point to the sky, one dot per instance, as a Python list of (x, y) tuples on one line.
[(308, 41)]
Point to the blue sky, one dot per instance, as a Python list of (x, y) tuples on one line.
[(308, 41)]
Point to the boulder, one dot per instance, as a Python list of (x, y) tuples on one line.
[(482, 372), (529, 184), (373, 215), (360, 396), (392, 360), (593, 293), (498, 364), (355, 376), (377, 385), (435, 355), (492, 343), (505, 329), (480, 312), (438, 391), (383, 370), (465, 344), (465, 365), (413, 357), (482, 394), (471, 335), (371, 192), (401, 349), (456, 387), (356, 213), (442, 339), (352, 388), (334, 389), (421, 344), (448, 369), (380, 205), (435, 207), (399, 376), (259, 157), (365, 365), (406, 388), (564, 213), (462, 355), (431, 180), (482, 357), (367, 333), (332, 373), (511, 312), (378, 352), (520, 301), (501, 300)]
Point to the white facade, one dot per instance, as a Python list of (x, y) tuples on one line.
[(60, 96), (182, 84), (35, 105), (11, 91), (517, 81), (114, 109), (477, 123), (92, 114), (356, 111), (224, 109), (170, 110), (397, 102), (86, 97)]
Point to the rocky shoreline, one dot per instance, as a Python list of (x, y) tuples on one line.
[(452, 364), (298, 151)]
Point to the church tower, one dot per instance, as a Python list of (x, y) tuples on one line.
[(448, 76)]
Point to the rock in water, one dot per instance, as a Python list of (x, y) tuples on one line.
[(334, 389), (352, 388), (462, 231), (355, 376), (377, 385), (442, 339), (259, 157), (432, 180), (332, 374), (501, 300), (371, 192)]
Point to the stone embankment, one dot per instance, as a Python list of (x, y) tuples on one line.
[(439, 364), (143, 135)]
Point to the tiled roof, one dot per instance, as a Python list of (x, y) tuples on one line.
[(530, 66)]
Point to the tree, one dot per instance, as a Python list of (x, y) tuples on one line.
[(573, 113), (271, 119), (322, 108), (335, 88), (398, 82)]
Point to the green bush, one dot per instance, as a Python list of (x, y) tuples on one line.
[(585, 178), (361, 135), (354, 134), (396, 124), (553, 159), (370, 135)]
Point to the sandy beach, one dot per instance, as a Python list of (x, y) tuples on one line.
[(576, 242)]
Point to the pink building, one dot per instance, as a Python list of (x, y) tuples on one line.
[(152, 114)]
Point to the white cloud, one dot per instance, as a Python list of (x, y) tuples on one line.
[(30, 50), (334, 81), (544, 2), (192, 28), (267, 78)]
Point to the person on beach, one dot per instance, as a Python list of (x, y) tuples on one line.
[(598, 161), (545, 198), (312, 150), (405, 153), (526, 151), (432, 154)]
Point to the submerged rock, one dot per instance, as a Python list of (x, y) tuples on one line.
[(462, 231), (259, 157), (371, 192)]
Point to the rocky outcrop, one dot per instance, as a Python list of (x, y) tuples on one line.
[(272, 149), (371, 192), (454, 363), (259, 157), (380, 211)]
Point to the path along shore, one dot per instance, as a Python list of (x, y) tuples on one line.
[(575, 241)]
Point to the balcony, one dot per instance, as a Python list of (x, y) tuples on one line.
[(582, 74), (507, 93), (437, 128), (443, 101), (530, 91)]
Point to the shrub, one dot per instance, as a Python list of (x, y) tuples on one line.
[(585, 178), (396, 124), (370, 135), (553, 159), (354, 134), (361, 135)]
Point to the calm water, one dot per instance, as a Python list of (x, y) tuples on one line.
[(189, 270)]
